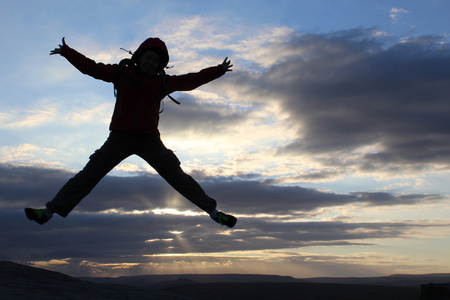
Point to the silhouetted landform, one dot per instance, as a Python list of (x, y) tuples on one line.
[(397, 280), (164, 280), (248, 287), (24, 282), (433, 291), (155, 280), (296, 291)]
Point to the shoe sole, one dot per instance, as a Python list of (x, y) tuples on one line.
[(231, 221), (31, 215)]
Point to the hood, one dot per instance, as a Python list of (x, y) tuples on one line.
[(154, 44)]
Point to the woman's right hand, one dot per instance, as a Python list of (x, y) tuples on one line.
[(58, 50)]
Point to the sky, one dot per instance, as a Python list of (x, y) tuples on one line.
[(329, 140)]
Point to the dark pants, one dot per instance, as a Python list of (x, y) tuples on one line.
[(117, 147)]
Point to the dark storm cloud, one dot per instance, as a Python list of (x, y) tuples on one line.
[(32, 186), (35, 186), (265, 197), (352, 89), (87, 235), (204, 118), (126, 238)]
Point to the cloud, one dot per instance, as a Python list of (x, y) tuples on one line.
[(149, 192), (327, 105), (26, 118), (395, 13), (297, 108), (157, 228), (50, 113), (99, 113), (359, 103), (27, 154), (202, 117)]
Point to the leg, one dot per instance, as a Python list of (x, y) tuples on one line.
[(167, 165), (100, 163)]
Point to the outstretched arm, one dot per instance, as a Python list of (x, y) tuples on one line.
[(85, 65), (192, 81), (58, 50)]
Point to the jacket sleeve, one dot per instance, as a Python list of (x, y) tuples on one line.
[(105, 72), (192, 81)]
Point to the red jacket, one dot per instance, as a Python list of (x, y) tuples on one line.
[(138, 96)]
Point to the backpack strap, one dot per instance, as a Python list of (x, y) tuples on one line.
[(124, 62), (164, 82)]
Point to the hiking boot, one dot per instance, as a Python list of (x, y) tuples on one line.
[(38, 215), (224, 219)]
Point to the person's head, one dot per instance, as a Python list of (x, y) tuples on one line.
[(150, 47), (149, 62)]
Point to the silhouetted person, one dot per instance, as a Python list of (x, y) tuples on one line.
[(141, 85)]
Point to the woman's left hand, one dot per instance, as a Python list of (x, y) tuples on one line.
[(226, 65)]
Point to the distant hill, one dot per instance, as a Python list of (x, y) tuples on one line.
[(174, 280), (394, 280), (295, 291), (156, 280), (25, 282)]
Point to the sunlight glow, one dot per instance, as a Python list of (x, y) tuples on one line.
[(172, 211), (176, 232), (159, 240)]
